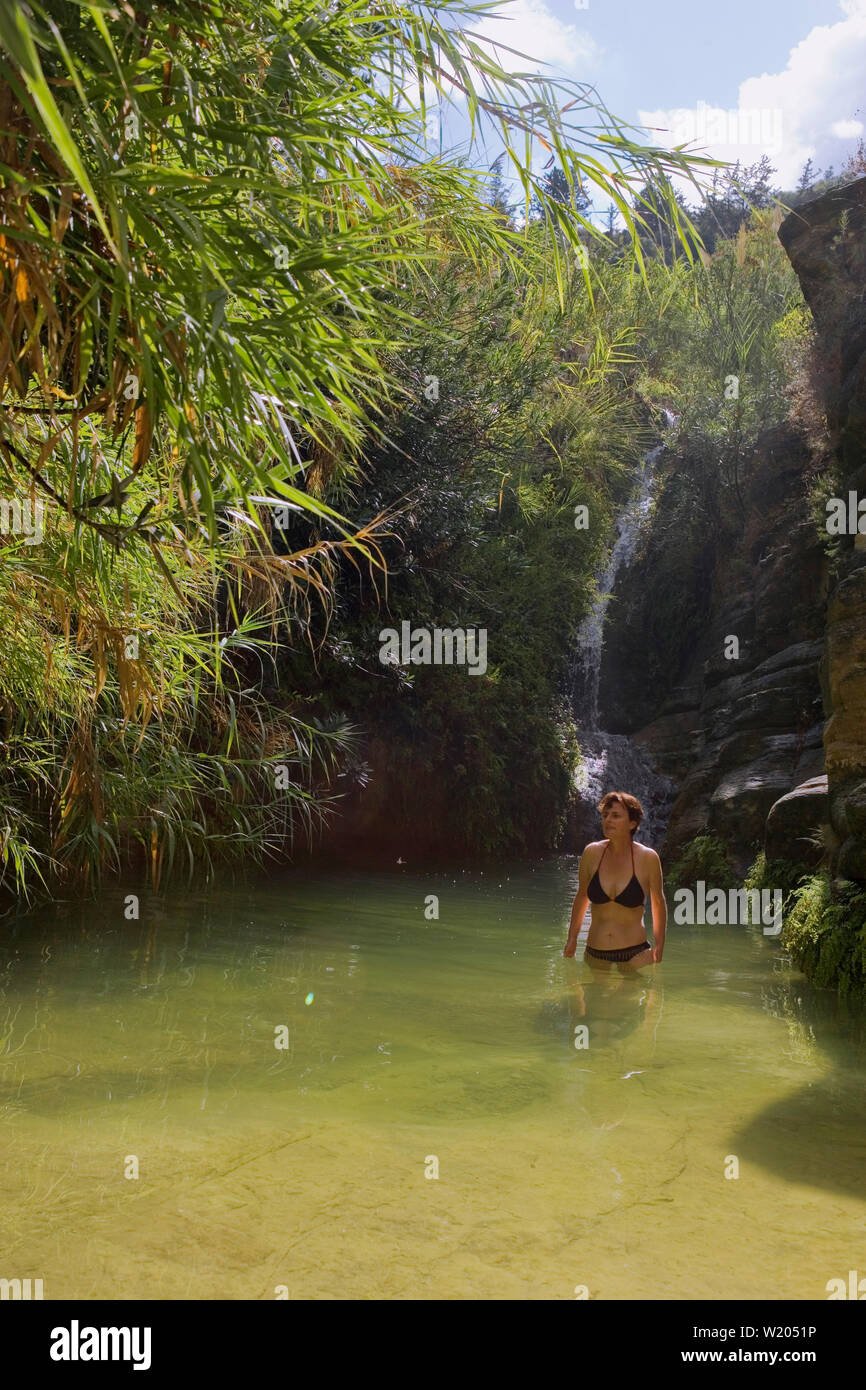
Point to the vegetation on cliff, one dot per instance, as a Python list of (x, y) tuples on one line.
[(823, 923), (214, 221)]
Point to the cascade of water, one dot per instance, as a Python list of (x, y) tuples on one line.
[(590, 636), (613, 761)]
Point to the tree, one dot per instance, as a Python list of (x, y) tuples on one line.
[(808, 176), (855, 165), (556, 187), (209, 214), (661, 215), (733, 195), (220, 198), (498, 195)]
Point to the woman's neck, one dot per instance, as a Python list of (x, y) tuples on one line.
[(620, 842)]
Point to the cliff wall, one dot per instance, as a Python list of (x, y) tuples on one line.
[(714, 645), (826, 243)]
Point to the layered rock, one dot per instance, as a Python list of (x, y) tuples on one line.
[(742, 726), (826, 243), (795, 822)]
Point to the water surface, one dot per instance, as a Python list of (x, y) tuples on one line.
[(417, 1046)]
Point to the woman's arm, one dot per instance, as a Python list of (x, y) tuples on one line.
[(659, 906), (580, 904)]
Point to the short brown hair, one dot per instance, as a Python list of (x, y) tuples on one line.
[(629, 803)]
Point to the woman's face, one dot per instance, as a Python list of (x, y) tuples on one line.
[(615, 818)]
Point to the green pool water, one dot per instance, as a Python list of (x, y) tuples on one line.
[(417, 1046)]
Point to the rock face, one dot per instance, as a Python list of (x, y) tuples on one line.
[(794, 821), (826, 243), (746, 735), (742, 726)]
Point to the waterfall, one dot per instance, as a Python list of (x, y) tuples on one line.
[(612, 762), (590, 635)]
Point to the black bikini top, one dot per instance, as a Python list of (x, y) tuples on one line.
[(631, 896)]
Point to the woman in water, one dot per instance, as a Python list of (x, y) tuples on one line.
[(616, 934)]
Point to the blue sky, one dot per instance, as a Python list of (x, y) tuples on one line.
[(668, 53), (742, 77)]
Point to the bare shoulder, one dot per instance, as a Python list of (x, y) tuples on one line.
[(589, 859), (594, 845), (648, 855)]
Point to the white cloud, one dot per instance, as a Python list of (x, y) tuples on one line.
[(743, 132), (529, 26), (810, 109), (847, 130)]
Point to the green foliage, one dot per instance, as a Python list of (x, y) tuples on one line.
[(535, 415), (825, 930), (704, 857), (727, 342), (211, 219), (733, 197), (795, 327), (774, 873), (130, 721), (823, 923)]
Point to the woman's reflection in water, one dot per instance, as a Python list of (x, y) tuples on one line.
[(618, 1007)]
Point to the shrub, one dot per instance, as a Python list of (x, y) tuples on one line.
[(705, 857), (825, 932)]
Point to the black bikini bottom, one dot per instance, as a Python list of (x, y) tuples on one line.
[(625, 953)]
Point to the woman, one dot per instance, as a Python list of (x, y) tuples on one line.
[(615, 875)]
